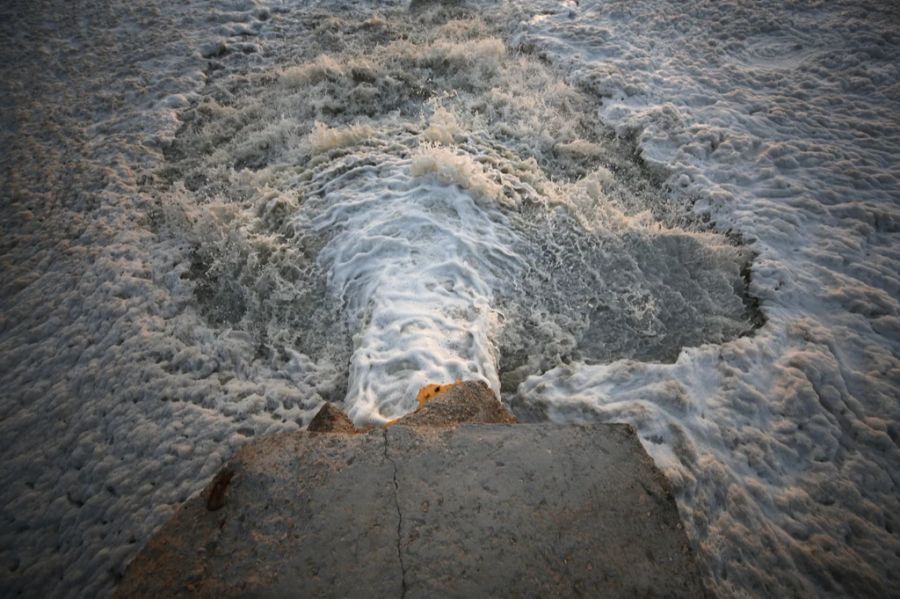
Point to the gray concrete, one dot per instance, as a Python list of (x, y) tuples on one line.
[(478, 510)]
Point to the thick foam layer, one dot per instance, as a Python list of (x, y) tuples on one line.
[(781, 120), (465, 222), (414, 262), (218, 215)]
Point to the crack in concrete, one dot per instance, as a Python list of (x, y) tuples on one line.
[(399, 517)]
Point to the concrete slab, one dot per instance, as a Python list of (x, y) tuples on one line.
[(475, 510), (536, 511)]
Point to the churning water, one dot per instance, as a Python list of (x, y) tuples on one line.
[(422, 203), (218, 215)]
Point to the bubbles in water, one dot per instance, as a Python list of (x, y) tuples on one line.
[(421, 203)]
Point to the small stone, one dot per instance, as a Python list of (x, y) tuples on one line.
[(466, 402), (331, 419)]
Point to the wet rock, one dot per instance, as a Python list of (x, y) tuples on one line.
[(467, 402), (331, 419)]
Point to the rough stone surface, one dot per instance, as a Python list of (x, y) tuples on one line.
[(319, 508), (475, 510), (331, 419), (471, 401)]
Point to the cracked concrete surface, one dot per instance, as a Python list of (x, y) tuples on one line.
[(476, 510), (399, 517)]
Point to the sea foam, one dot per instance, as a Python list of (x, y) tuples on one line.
[(240, 211)]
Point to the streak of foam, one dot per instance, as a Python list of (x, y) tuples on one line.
[(413, 261)]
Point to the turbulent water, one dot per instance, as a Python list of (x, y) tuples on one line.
[(218, 216)]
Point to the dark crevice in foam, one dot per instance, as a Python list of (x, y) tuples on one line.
[(596, 299)]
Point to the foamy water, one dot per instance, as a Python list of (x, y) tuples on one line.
[(290, 204), (413, 261), (474, 228)]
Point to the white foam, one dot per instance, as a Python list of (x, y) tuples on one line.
[(443, 126), (458, 169), (160, 310), (323, 138), (783, 461), (412, 261)]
